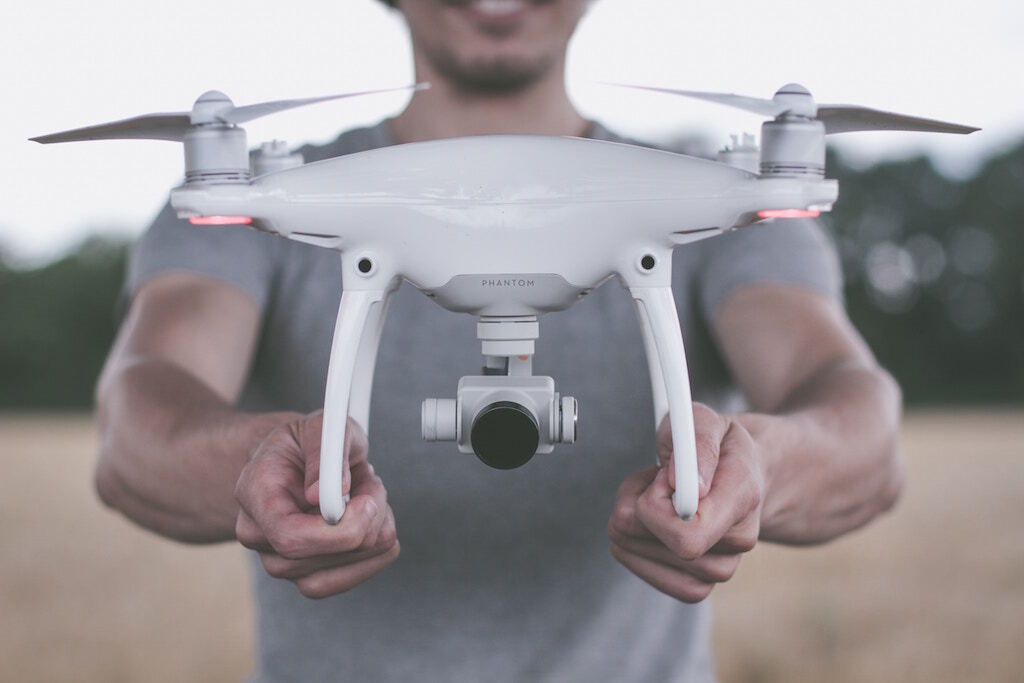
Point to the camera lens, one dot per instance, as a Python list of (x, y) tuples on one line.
[(505, 435)]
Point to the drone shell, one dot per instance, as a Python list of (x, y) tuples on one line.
[(569, 211)]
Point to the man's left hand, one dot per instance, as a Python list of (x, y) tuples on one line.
[(685, 559)]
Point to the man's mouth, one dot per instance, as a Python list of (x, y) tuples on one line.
[(499, 8), (497, 11)]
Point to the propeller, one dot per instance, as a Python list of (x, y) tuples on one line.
[(212, 107), (795, 100)]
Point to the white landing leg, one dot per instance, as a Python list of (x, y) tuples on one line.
[(656, 308), (653, 366), (366, 362), (354, 313)]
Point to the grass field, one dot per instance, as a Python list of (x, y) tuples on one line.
[(933, 592)]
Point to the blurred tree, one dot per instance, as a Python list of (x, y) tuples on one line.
[(57, 326), (935, 274)]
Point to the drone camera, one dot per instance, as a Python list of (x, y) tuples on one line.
[(509, 418), (505, 435)]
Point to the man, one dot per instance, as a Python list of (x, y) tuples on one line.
[(503, 575)]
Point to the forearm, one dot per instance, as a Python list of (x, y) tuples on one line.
[(171, 450), (831, 454)]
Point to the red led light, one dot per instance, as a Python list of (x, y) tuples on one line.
[(220, 220), (788, 213)]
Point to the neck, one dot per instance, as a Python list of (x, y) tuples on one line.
[(447, 110)]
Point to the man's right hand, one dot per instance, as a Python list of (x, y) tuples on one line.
[(278, 491)]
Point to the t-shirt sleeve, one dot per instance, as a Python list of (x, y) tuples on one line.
[(791, 252), (235, 254)]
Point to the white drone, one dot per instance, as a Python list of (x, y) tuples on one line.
[(504, 228)]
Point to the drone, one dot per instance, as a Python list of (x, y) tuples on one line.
[(505, 228)]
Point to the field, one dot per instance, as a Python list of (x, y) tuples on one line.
[(933, 592)]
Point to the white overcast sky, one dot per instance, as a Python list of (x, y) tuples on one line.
[(70, 63)]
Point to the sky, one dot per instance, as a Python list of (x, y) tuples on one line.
[(65, 64)]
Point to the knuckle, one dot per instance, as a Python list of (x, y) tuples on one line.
[(394, 552), (351, 538), (749, 498), (242, 485), (388, 537), (744, 542), (688, 546), (315, 587), (285, 545), (622, 516), (645, 506), (247, 533), (722, 572), (275, 566), (695, 592)]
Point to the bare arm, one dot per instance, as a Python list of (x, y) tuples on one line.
[(171, 444), (827, 415)]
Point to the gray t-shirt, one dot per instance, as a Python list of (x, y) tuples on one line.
[(504, 575)]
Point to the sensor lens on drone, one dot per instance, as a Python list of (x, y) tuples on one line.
[(505, 435)]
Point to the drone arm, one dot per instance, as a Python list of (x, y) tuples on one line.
[(351, 329), (656, 308)]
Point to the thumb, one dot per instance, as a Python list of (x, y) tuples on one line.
[(709, 428)]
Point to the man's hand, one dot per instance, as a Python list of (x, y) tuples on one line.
[(685, 559), (279, 493)]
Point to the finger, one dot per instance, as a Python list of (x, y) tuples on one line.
[(283, 568), (679, 585), (298, 535), (623, 517), (711, 567), (338, 580), (386, 536), (367, 485), (249, 533), (741, 538), (687, 539)]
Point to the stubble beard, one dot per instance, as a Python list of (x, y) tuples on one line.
[(490, 76)]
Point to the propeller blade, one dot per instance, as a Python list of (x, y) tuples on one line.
[(751, 104), (255, 111), (847, 118), (147, 127)]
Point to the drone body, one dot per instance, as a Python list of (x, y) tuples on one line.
[(504, 228)]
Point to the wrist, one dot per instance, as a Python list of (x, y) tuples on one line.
[(764, 430), (777, 437)]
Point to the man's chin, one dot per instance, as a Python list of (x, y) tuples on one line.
[(491, 75)]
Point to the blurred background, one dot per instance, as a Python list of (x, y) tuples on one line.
[(927, 228)]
